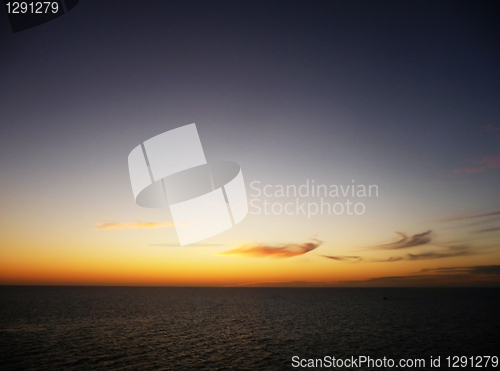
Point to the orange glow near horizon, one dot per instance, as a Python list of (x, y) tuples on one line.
[(160, 266), (74, 252)]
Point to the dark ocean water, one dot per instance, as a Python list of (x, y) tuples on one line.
[(138, 328)]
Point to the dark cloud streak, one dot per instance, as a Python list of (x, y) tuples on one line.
[(344, 258), (476, 269), (494, 213), (405, 242), (495, 229), (449, 252), (436, 255)]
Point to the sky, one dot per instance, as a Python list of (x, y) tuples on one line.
[(401, 95)]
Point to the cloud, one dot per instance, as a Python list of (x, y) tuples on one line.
[(463, 182), (490, 128), (494, 213), (491, 162), (449, 252), (388, 260), (488, 230), (285, 251), (405, 242), (357, 259), (477, 269), (437, 255), (486, 163), (485, 269), (468, 170), (107, 226), (344, 258), (481, 275), (484, 221)]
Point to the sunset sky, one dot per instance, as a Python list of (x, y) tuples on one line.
[(401, 95)]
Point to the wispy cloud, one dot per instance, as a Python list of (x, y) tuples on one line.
[(482, 222), (463, 182), (495, 229), (388, 260), (482, 275), (357, 259), (284, 251), (473, 216), (344, 258), (449, 251), (405, 241), (439, 255), (490, 128), (486, 163), (491, 161), (439, 252), (477, 269), (468, 170), (107, 226)]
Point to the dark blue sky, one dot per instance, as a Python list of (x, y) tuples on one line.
[(420, 73), (397, 91)]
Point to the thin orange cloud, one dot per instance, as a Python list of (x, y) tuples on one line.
[(285, 251), (107, 226)]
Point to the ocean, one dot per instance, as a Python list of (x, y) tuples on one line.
[(167, 328)]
